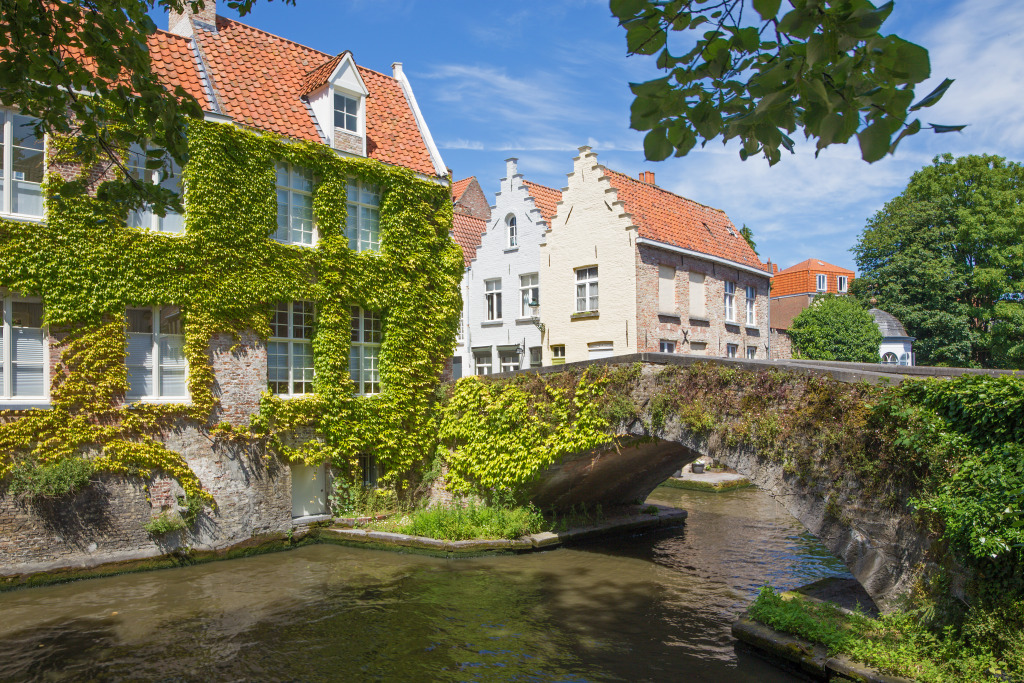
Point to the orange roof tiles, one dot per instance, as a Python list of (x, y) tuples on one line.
[(318, 77), (545, 198), (459, 186), (668, 218), (466, 230), (801, 278), (259, 79)]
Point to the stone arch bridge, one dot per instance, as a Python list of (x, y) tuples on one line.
[(883, 548)]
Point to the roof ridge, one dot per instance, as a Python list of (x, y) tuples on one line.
[(287, 40), (661, 189)]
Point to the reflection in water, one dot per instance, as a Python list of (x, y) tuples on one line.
[(648, 608)]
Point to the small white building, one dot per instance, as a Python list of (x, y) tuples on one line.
[(502, 293), (896, 348)]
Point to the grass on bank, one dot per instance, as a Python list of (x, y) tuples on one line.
[(897, 643)]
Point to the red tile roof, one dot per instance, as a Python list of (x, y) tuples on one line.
[(545, 198), (801, 278), (466, 230), (459, 186), (671, 219), (175, 64), (258, 79), (318, 77)]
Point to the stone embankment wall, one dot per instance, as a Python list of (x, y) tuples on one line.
[(103, 523)]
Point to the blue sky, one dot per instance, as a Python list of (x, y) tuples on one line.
[(536, 80)]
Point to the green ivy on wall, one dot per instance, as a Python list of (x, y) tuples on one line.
[(226, 273)]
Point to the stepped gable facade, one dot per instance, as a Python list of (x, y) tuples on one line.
[(630, 267), (503, 297)]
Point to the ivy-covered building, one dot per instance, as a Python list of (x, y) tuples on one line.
[(216, 369)]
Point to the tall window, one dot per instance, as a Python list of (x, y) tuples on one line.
[(666, 289), (822, 282), (535, 357), (509, 360), (295, 206), (21, 166), (752, 352), (482, 359), (730, 302), (586, 289), (512, 237), (363, 221), (23, 371), (698, 302), (492, 299), (529, 293), (842, 283), (730, 350), (290, 349), (346, 113), (145, 217), (364, 353), (751, 309), (156, 353)]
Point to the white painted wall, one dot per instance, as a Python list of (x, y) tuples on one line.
[(589, 229), (901, 348), (494, 259)]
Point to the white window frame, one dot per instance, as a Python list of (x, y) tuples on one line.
[(480, 367), (290, 192), (292, 343), (731, 350), (367, 336), (7, 385), (508, 360), (159, 361), (842, 284), (751, 353), (667, 346), (358, 115), (7, 168), (821, 282), (729, 299), (586, 284), (529, 291), (147, 218), (492, 300), (751, 305), (355, 215), (511, 232)]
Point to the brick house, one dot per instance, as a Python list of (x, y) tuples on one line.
[(471, 212), (257, 81), (629, 267), (793, 290), (502, 280)]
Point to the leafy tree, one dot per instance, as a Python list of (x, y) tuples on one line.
[(822, 66), (82, 67), (748, 235), (836, 328), (946, 257)]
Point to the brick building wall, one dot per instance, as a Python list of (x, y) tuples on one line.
[(473, 201), (782, 345), (711, 329)]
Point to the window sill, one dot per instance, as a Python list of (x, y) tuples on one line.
[(700, 318), (291, 397), (22, 218), (527, 320), (583, 315), (157, 400), (752, 328), (492, 323), (674, 316), (509, 250), (23, 404), (731, 323)]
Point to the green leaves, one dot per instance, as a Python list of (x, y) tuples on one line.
[(833, 75)]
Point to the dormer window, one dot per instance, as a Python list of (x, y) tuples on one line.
[(346, 113)]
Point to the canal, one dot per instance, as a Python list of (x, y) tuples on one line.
[(647, 608)]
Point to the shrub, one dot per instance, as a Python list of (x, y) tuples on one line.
[(471, 521), (60, 479), (164, 523)]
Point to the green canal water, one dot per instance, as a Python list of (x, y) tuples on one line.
[(646, 608)]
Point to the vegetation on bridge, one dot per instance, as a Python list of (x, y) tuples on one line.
[(950, 453)]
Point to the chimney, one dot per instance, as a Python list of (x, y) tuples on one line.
[(396, 70), (511, 167), (646, 177), (180, 23)]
